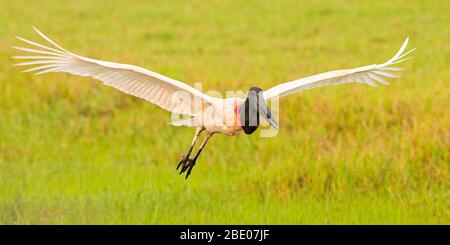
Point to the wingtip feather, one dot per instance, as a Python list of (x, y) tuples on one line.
[(49, 40)]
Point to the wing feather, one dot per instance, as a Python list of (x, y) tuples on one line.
[(367, 74), (139, 82)]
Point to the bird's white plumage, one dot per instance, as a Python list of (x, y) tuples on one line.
[(367, 74), (212, 114), (142, 83)]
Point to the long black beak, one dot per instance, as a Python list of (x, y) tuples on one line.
[(265, 112)]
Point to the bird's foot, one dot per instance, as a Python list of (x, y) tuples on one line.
[(187, 167), (183, 162)]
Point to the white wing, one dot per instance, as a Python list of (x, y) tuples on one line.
[(165, 92), (366, 74)]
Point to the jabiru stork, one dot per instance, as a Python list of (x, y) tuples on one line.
[(214, 115)]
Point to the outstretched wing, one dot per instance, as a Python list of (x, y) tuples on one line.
[(167, 93), (366, 74)]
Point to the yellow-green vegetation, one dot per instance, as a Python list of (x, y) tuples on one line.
[(73, 151)]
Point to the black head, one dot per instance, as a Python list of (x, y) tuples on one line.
[(250, 110)]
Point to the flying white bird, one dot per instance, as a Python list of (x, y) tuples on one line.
[(213, 115)]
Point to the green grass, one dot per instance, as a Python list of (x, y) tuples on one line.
[(73, 151)]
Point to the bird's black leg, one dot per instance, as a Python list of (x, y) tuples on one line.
[(192, 161), (185, 158)]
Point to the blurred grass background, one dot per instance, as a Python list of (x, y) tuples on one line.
[(73, 151)]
